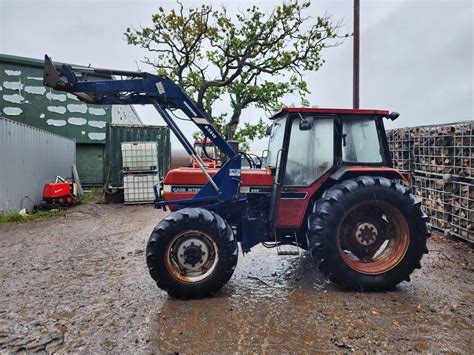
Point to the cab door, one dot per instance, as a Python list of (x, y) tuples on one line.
[(309, 158)]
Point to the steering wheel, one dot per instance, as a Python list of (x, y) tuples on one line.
[(256, 165), (249, 159)]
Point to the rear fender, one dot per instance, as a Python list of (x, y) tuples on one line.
[(345, 172)]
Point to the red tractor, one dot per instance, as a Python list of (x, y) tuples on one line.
[(208, 152), (328, 187)]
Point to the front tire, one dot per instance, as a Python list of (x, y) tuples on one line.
[(192, 253), (367, 233)]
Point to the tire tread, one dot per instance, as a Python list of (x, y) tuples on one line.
[(322, 242), (191, 218)]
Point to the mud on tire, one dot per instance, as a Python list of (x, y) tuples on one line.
[(191, 240), (338, 223)]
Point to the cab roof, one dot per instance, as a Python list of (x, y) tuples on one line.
[(343, 111)]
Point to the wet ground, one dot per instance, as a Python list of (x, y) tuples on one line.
[(80, 284)]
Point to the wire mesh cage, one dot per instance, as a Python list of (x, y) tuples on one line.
[(138, 188), (463, 149), (433, 149), (462, 214), (435, 195), (400, 142), (444, 149), (139, 156), (441, 160)]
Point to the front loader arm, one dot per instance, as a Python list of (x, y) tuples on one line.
[(144, 88)]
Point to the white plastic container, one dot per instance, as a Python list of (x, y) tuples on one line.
[(138, 188), (139, 156)]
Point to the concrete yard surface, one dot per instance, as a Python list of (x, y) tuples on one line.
[(80, 284)]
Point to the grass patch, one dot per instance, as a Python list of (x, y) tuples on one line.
[(89, 196), (30, 216)]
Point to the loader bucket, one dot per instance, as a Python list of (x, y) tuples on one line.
[(52, 79)]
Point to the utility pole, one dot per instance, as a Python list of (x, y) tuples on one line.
[(355, 70)]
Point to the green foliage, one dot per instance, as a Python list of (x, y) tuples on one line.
[(30, 216), (243, 135), (90, 195), (252, 58), (249, 132)]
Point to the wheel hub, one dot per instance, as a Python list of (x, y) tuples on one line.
[(192, 254), (366, 234), (373, 237)]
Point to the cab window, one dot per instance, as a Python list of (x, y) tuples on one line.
[(360, 141), (275, 142), (310, 152)]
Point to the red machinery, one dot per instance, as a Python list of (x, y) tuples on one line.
[(61, 192), (208, 153)]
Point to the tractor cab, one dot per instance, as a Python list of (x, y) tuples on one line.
[(312, 148), (307, 143)]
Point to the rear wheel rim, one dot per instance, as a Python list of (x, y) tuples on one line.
[(373, 237), (191, 256)]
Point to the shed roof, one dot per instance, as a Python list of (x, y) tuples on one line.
[(33, 62)]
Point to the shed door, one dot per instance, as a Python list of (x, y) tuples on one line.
[(90, 164)]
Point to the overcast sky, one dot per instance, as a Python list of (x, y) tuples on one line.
[(416, 55)]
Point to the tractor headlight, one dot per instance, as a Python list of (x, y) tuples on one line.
[(166, 188)]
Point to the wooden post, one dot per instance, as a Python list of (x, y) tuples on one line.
[(355, 92)]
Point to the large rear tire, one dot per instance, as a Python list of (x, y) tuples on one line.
[(367, 233), (192, 253)]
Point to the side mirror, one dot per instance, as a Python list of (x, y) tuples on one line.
[(268, 132), (306, 123), (393, 115)]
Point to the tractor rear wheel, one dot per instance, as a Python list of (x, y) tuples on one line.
[(192, 253), (367, 233)]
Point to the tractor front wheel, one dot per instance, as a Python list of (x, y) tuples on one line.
[(367, 233), (192, 253)]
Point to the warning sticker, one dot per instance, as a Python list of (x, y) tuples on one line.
[(234, 172)]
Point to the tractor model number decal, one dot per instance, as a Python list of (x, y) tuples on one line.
[(255, 189), (213, 135), (185, 188)]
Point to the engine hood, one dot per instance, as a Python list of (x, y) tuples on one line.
[(195, 177)]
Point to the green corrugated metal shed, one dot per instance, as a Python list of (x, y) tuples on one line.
[(25, 99), (116, 134)]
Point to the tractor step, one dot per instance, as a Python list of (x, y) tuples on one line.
[(288, 252)]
